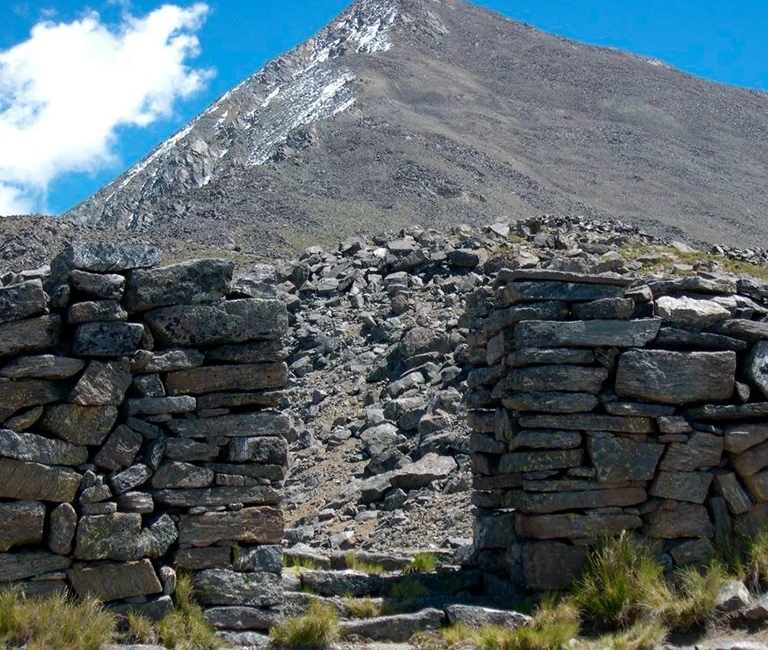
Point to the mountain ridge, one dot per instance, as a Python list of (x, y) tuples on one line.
[(439, 112)]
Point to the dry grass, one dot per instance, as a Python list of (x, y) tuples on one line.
[(371, 568), (54, 623), (422, 563), (185, 626), (362, 607), (317, 629)]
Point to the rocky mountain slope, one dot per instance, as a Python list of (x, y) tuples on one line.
[(439, 112)]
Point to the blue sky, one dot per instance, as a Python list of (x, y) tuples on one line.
[(721, 41)]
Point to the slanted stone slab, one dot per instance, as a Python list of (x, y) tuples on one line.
[(62, 529), (674, 519), (756, 367), (752, 460), (233, 321), (570, 379), (701, 450), (107, 339), (728, 487), (509, 275), (341, 583), (80, 425), (729, 412), (536, 356), (475, 616), (690, 312), (103, 383), (237, 617), (186, 283), (95, 310), (757, 484), (44, 366), (545, 439), (676, 377), (17, 395), (543, 311), (212, 379), (247, 424), (589, 333), (36, 482), (549, 502), (551, 402), (108, 582), (740, 437), (622, 459), (574, 526), (695, 284), (226, 587), (397, 628), (523, 291), (23, 523), (747, 330), (217, 496), (31, 335), (537, 461), (671, 336), (22, 300), (111, 258), (99, 285), (161, 405), (38, 449), (29, 564), (588, 422), (681, 486), (119, 450), (108, 537), (423, 472), (262, 525), (552, 566)]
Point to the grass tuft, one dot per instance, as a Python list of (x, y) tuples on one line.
[(185, 627), (362, 607), (317, 629), (54, 623), (641, 636), (757, 559), (371, 568), (141, 630), (299, 563), (422, 563)]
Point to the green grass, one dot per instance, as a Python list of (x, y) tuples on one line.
[(756, 560), (317, 629), (422, 563), (624, 584), (641, 636), (670, 256), (371, 568), (185, 626), (297, 564), (141, 630), (362, 607), (54, 623)]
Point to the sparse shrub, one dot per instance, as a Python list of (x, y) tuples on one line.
[(362, 607), (54, 623), (185, 626), (620, 573), (354, 562), (422, 563), (318, 628), (141, 629), (552, 626)]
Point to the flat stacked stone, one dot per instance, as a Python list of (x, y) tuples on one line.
[(151, 441), (602, 405)]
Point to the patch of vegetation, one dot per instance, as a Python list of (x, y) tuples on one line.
[(362, 607), (552, 626), (54, 623), (641, 636), (141, 630), (296, 564), (317, 629), (371, 568), (663, 258), (756, 560), (403, 595), (185, 626), (624, 584), (422, 563)]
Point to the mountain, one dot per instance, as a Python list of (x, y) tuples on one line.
[(439, 112)]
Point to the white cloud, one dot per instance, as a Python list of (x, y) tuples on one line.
[(65, 91)]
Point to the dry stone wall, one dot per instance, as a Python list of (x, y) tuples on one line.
[(139, 436), (600, 404)]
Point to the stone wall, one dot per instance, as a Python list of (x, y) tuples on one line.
[(138, 435), (601, 404)]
